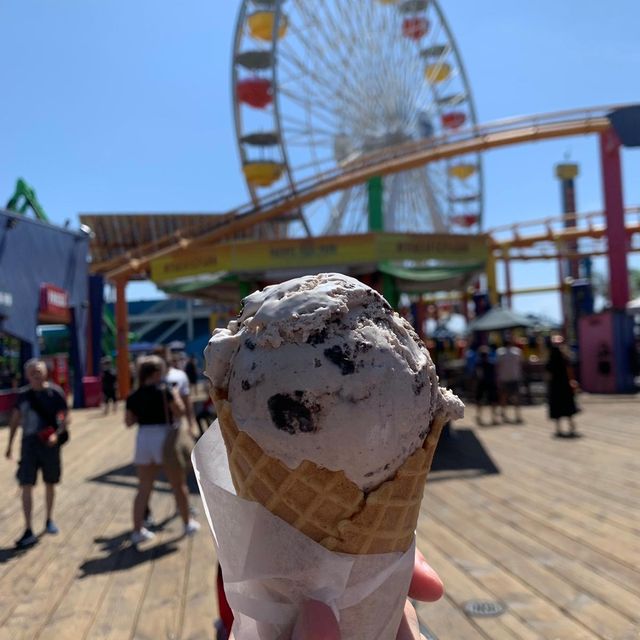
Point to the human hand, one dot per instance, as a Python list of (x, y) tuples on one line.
[(52, 440), (317, 622)]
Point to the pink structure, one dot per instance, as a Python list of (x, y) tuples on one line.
[(597, 362), (614, 207), (606, 340)]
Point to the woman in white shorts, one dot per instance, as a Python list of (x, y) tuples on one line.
[(153, 406)]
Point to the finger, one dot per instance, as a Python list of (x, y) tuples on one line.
[(425, 582), (409, 626), (315, 622)]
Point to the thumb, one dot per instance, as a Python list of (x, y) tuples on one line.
[(315, 622)]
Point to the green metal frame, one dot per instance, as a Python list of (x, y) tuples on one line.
[(23, 198)]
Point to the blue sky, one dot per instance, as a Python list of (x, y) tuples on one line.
[(114, 106)]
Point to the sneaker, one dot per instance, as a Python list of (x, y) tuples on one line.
[(50, 527), (27, 540), (148, 521), (142, 536), (193, 526)]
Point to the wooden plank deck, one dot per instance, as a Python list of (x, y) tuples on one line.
[(548, 528)]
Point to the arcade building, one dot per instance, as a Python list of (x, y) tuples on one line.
[(44, 280)]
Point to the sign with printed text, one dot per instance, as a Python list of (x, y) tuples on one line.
[(54, 304), (312, 253), (433, 246)]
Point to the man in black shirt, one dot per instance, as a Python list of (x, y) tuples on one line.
[(41, 409)]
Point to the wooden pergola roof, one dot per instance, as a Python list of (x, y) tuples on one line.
[(119, 238)]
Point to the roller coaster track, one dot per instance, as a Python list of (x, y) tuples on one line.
[(591, 224), (387, 161)]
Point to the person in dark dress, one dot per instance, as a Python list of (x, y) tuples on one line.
[(561, 388)]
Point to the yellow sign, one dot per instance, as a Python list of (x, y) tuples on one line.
[(191, 263), (301, 252), (431, 246), (326, 251)]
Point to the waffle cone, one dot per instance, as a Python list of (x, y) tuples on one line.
[(325, 505)]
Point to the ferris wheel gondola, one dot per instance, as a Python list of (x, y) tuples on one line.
[(319, 85)]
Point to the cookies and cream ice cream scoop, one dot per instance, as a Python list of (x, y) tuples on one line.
[(321, 369)]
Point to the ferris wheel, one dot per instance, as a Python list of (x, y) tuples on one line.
[(325, 83)]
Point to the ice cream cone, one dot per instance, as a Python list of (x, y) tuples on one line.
[(325, 505)]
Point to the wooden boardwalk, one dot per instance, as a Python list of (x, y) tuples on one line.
[(548, 528)]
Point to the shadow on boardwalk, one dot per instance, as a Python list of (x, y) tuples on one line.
[(125, 476), (8, 553), (461, 454), (121, 555)]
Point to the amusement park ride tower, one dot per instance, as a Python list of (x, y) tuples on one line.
[(359, 144)]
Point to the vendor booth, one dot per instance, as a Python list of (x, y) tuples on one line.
[(43, 280)]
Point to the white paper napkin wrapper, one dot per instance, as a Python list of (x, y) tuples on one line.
[(270, 568)]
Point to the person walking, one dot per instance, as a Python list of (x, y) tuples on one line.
[(485, 385), (177, 379), (181, 438), (41, 409), (155, 407), (179, 442), (109, 385), (509, 378), (561, 388), (191, 369)]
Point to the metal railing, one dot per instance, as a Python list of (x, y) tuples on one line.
[(394, 159)]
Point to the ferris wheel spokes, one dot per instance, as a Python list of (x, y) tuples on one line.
[(329, 84)]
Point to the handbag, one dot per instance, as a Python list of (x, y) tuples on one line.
[(176, 449), (55, 423)]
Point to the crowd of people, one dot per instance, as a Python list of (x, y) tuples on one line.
[(498, 377), (161, 409)]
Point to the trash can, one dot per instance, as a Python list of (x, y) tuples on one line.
[(92, 391)]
